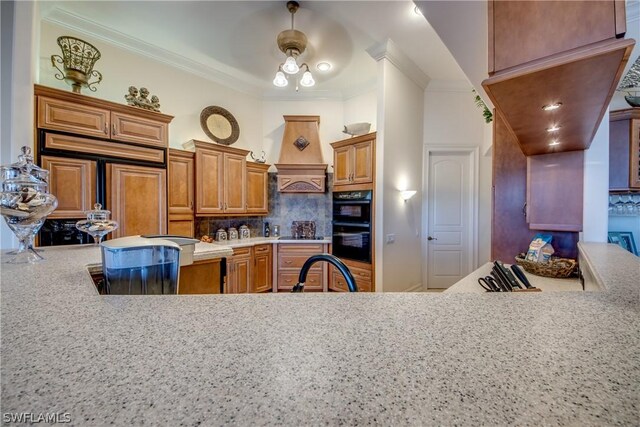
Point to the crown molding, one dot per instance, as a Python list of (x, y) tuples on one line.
[(217, 72), (449, 86), (389, 50)]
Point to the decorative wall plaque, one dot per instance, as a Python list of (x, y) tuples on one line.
[(219, 125)]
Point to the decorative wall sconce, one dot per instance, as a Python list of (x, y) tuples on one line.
[(407, 194)]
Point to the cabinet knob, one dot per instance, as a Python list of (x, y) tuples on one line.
[(113, 129), (106, 128)]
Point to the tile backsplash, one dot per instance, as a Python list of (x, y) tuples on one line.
[(284, 208)]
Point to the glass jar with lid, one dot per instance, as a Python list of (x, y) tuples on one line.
[(97, 224), (25, 203)]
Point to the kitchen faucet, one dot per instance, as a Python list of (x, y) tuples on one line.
[(351, 282)]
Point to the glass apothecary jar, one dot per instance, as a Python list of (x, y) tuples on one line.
[(98, 223), (25, 203)]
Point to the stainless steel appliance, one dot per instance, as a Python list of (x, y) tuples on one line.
[(352, 225)]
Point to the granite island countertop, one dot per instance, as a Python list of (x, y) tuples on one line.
[(570, 358)]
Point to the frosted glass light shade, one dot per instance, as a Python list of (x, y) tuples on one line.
[(407, 194), (280, 80), (307, 79), (290, 66)]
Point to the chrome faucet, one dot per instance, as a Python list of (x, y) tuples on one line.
[(351, 282)]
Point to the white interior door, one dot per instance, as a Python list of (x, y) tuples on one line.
[(450, 210)]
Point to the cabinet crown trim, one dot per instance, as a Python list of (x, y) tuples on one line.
[(194, 144), (354, 140), (100, 103)]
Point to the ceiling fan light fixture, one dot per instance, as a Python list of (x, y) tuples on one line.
[(290, 66), (307, 79), (280, 80), (292, 43)]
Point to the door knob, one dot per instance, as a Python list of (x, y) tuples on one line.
[(431, 238)]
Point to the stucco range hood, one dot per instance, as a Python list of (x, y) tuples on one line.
[(300, 167)]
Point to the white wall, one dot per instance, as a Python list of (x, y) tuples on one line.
[(596, 186), (399, 167), (452, 118), (18, 76), (181, 95), (361, 108)]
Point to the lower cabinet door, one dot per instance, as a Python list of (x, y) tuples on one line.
[(239, 271), (136, 197), (201, 277), (262, 269)]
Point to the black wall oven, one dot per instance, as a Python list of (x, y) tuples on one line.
[(352, 225)]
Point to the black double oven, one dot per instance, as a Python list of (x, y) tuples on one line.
[(352, 225)]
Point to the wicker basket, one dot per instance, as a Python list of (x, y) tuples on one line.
[(556, 267)]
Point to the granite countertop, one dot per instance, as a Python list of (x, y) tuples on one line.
[(546, 284), (556, 358)]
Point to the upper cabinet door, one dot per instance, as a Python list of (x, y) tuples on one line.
[(257, 188), (129, 128), (235, 172), (67, 116), (209, 182), (523, 31), (73, 182), (180, 182), (342, 165), (136, 196), (363, 163)]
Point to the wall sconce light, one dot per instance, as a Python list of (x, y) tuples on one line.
[(407, 194)]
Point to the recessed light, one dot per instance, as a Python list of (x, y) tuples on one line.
[(323, 66), (553, 128), (551, 144), (417, 11), (551, 107)]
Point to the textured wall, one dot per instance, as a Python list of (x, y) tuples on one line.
[(284, 208)]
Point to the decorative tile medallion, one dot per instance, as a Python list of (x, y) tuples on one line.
[(301, 143)]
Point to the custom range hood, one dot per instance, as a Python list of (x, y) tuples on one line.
[(300, 167)]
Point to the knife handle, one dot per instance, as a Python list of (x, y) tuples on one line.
[(520, 275)]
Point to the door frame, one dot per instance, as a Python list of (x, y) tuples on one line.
[(473, 154)]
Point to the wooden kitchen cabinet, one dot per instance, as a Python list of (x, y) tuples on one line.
[(78, 114), (239, 271), (234, 183), (291, 257), (136, 196), (139, 130), (201, 277), (510, 231), (361, 273), (68, 116), (73, 182), (555, 191), (181, 192), (220, 179), (624, 150), (520, 32), (104, 152), (262, 269), (537, 51), (353, 161), (257, 189)]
